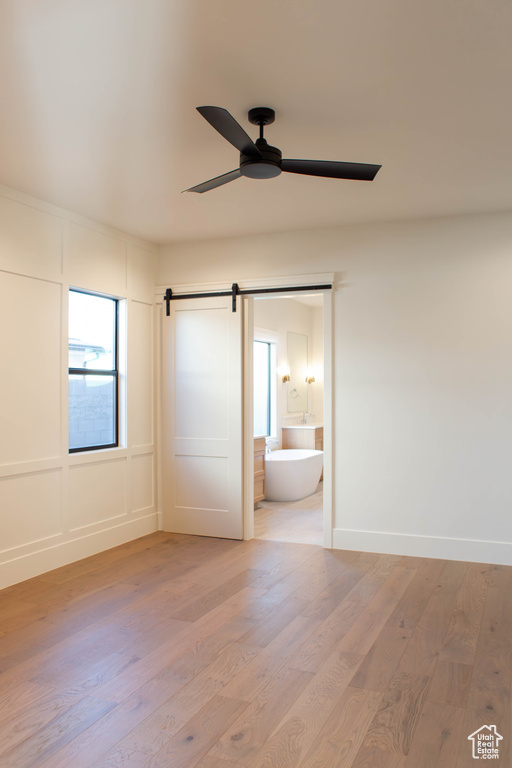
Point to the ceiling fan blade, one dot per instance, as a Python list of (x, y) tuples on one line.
[(334, 170), (220, 119), (218, 181)]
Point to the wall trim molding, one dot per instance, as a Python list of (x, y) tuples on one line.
[(56, 555), (64, 213), (413, 545)]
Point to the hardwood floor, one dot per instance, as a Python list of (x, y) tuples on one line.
[(299, 522), (183, 651)]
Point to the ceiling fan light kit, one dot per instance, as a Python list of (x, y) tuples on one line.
[(258, 160)]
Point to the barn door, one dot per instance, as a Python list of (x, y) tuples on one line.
[(202, 418)]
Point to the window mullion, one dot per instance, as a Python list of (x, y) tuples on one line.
[(92, 372)]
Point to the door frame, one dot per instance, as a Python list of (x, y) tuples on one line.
[(247, 397)]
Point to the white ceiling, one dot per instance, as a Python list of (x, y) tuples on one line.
[(98, 97)]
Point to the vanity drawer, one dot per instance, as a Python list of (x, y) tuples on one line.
[(259, 445), (307, 437), (259, 469), (259, 489)]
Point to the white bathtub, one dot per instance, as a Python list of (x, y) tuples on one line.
[(292, 474)]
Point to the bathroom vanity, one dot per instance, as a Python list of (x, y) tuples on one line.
[(309, 436), (259, 470)]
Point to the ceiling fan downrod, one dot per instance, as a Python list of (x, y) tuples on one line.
[(269, 164)]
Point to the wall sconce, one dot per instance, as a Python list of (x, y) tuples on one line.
[(310, 379), (286, 378)]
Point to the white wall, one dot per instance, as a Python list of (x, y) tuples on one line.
[(422, 341), (317, 365), (56, 507)]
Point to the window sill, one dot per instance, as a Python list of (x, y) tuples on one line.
[(95, 456)]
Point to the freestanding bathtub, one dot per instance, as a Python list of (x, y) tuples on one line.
[(292, 474)]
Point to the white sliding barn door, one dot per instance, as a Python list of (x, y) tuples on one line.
[(202, 424)]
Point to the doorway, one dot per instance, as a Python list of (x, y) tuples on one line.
[(288, 413), (287, 396)]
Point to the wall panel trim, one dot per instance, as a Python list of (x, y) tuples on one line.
[(29, 565)]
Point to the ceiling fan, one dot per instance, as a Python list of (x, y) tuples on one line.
[(258, 160)]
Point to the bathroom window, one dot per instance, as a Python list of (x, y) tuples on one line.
[(93, 371), (264, 388)]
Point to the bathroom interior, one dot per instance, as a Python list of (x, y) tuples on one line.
[(288, 418)]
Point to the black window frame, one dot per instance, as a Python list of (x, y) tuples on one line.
[(102, 372), (269, 383)]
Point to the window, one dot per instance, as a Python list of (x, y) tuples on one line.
[(93, 371), (263, 365)]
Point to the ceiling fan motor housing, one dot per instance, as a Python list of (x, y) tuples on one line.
[(265, 167)]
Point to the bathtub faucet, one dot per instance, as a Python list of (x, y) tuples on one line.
[(268, 442)]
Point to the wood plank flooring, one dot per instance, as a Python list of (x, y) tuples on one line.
[(299, 522), (180, 652)]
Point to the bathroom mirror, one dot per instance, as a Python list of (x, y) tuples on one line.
[(297, 351)]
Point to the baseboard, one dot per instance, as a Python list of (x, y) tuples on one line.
[(470, 550), (35, 563)]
